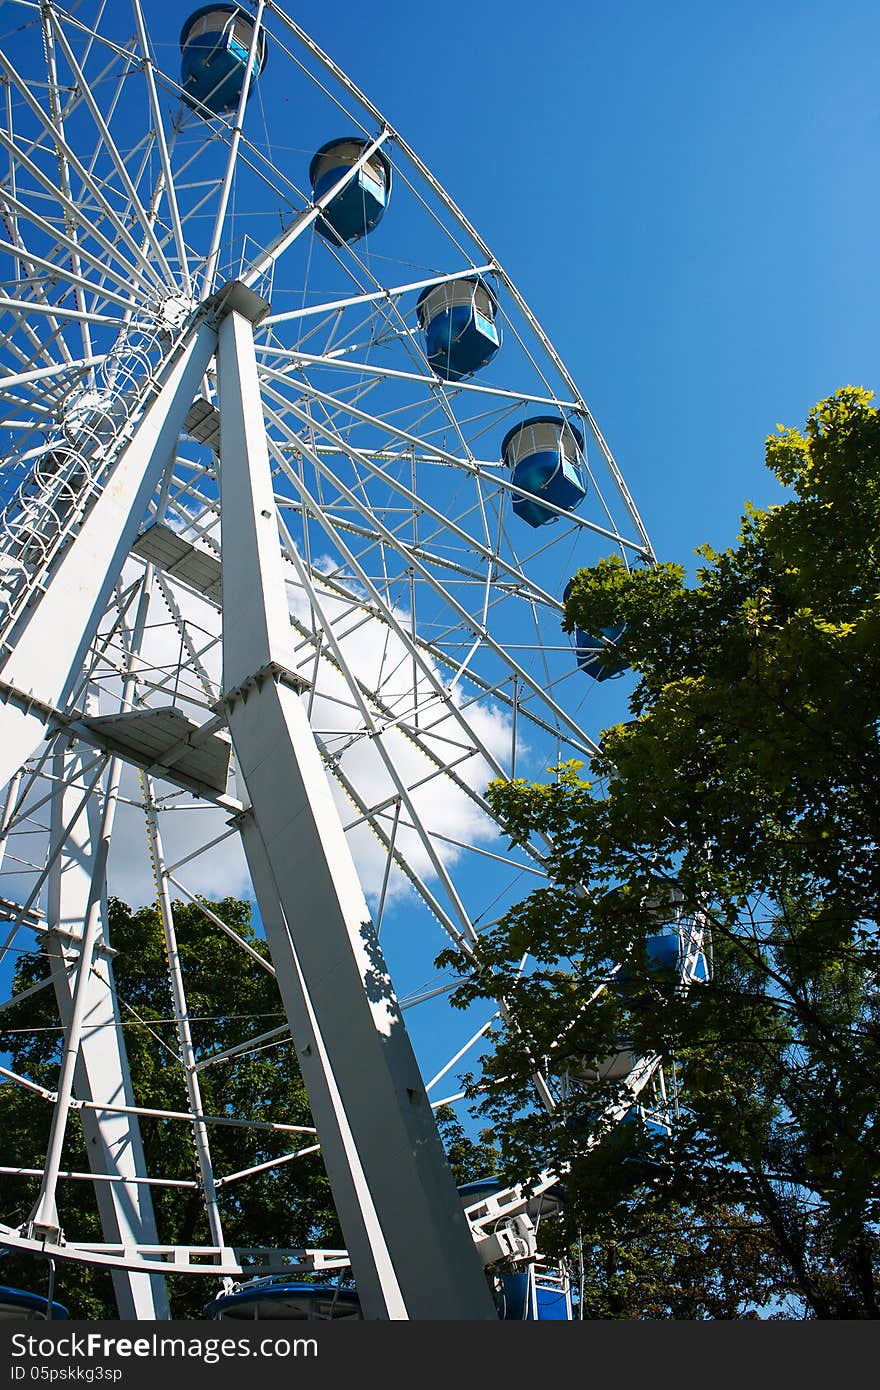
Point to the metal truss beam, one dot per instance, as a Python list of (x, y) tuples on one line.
[(113, 1140), (409, 1242), (48, 652)]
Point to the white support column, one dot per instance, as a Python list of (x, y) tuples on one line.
[(412, 1252), (43, 1222), (49, 650), (113, 1141)]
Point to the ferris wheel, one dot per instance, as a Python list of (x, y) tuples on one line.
[(292, 484)]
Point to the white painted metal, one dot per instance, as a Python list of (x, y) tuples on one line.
[(410, 1247), (48, 650), (113, 1140), (208, 1261), (44, 1222), (420, 618)]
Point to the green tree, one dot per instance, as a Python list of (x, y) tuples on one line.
[(746, 781)]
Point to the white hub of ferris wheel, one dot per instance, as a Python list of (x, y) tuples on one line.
[(175, 311), (287, 521)]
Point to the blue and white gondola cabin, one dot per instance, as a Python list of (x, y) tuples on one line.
[(360, 206), (17, 1305), (671, 960), (214, 46), (267, 1301), (458, 320), (645, 1137), (595, 655), (545, 458)]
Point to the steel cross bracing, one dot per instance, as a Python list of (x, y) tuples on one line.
[(113, 1141), (380, 606)]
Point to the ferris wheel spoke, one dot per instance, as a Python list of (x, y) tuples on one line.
[(35, 306), (480, 852), (23, 307), (38, 416), (462, 1052), (72, 279), (305, 219), (64, 174), (420, 733), (351, 560), (417, 733), (41, 374), (417, 583), (378, 742), (438, 396), (114, 154), (447, 921), (400, 488), (98, 202), (27, 359), (435, 649), (392, 293), (300, 359), (118, 163), (122, 277), (159, 128), (272, 381), (226, 185)]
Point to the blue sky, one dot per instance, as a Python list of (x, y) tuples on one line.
[(686, 195)]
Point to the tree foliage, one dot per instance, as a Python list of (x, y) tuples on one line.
[(747, 779)]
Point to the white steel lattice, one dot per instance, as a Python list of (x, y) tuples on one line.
[(411, 618)]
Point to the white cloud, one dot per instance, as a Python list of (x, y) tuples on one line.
[(380, 661), (377, 658)]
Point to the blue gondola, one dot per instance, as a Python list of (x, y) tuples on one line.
[(18, 1304), (663, 957), (545, 457), (593, 655), (644, 1140), (590, 652), (276, 1301), (673, 953), (214, 46), (458, 321), (361, 204), (535, 1294), (480, 1187)]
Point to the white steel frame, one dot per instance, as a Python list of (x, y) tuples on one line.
[(388, 629)]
